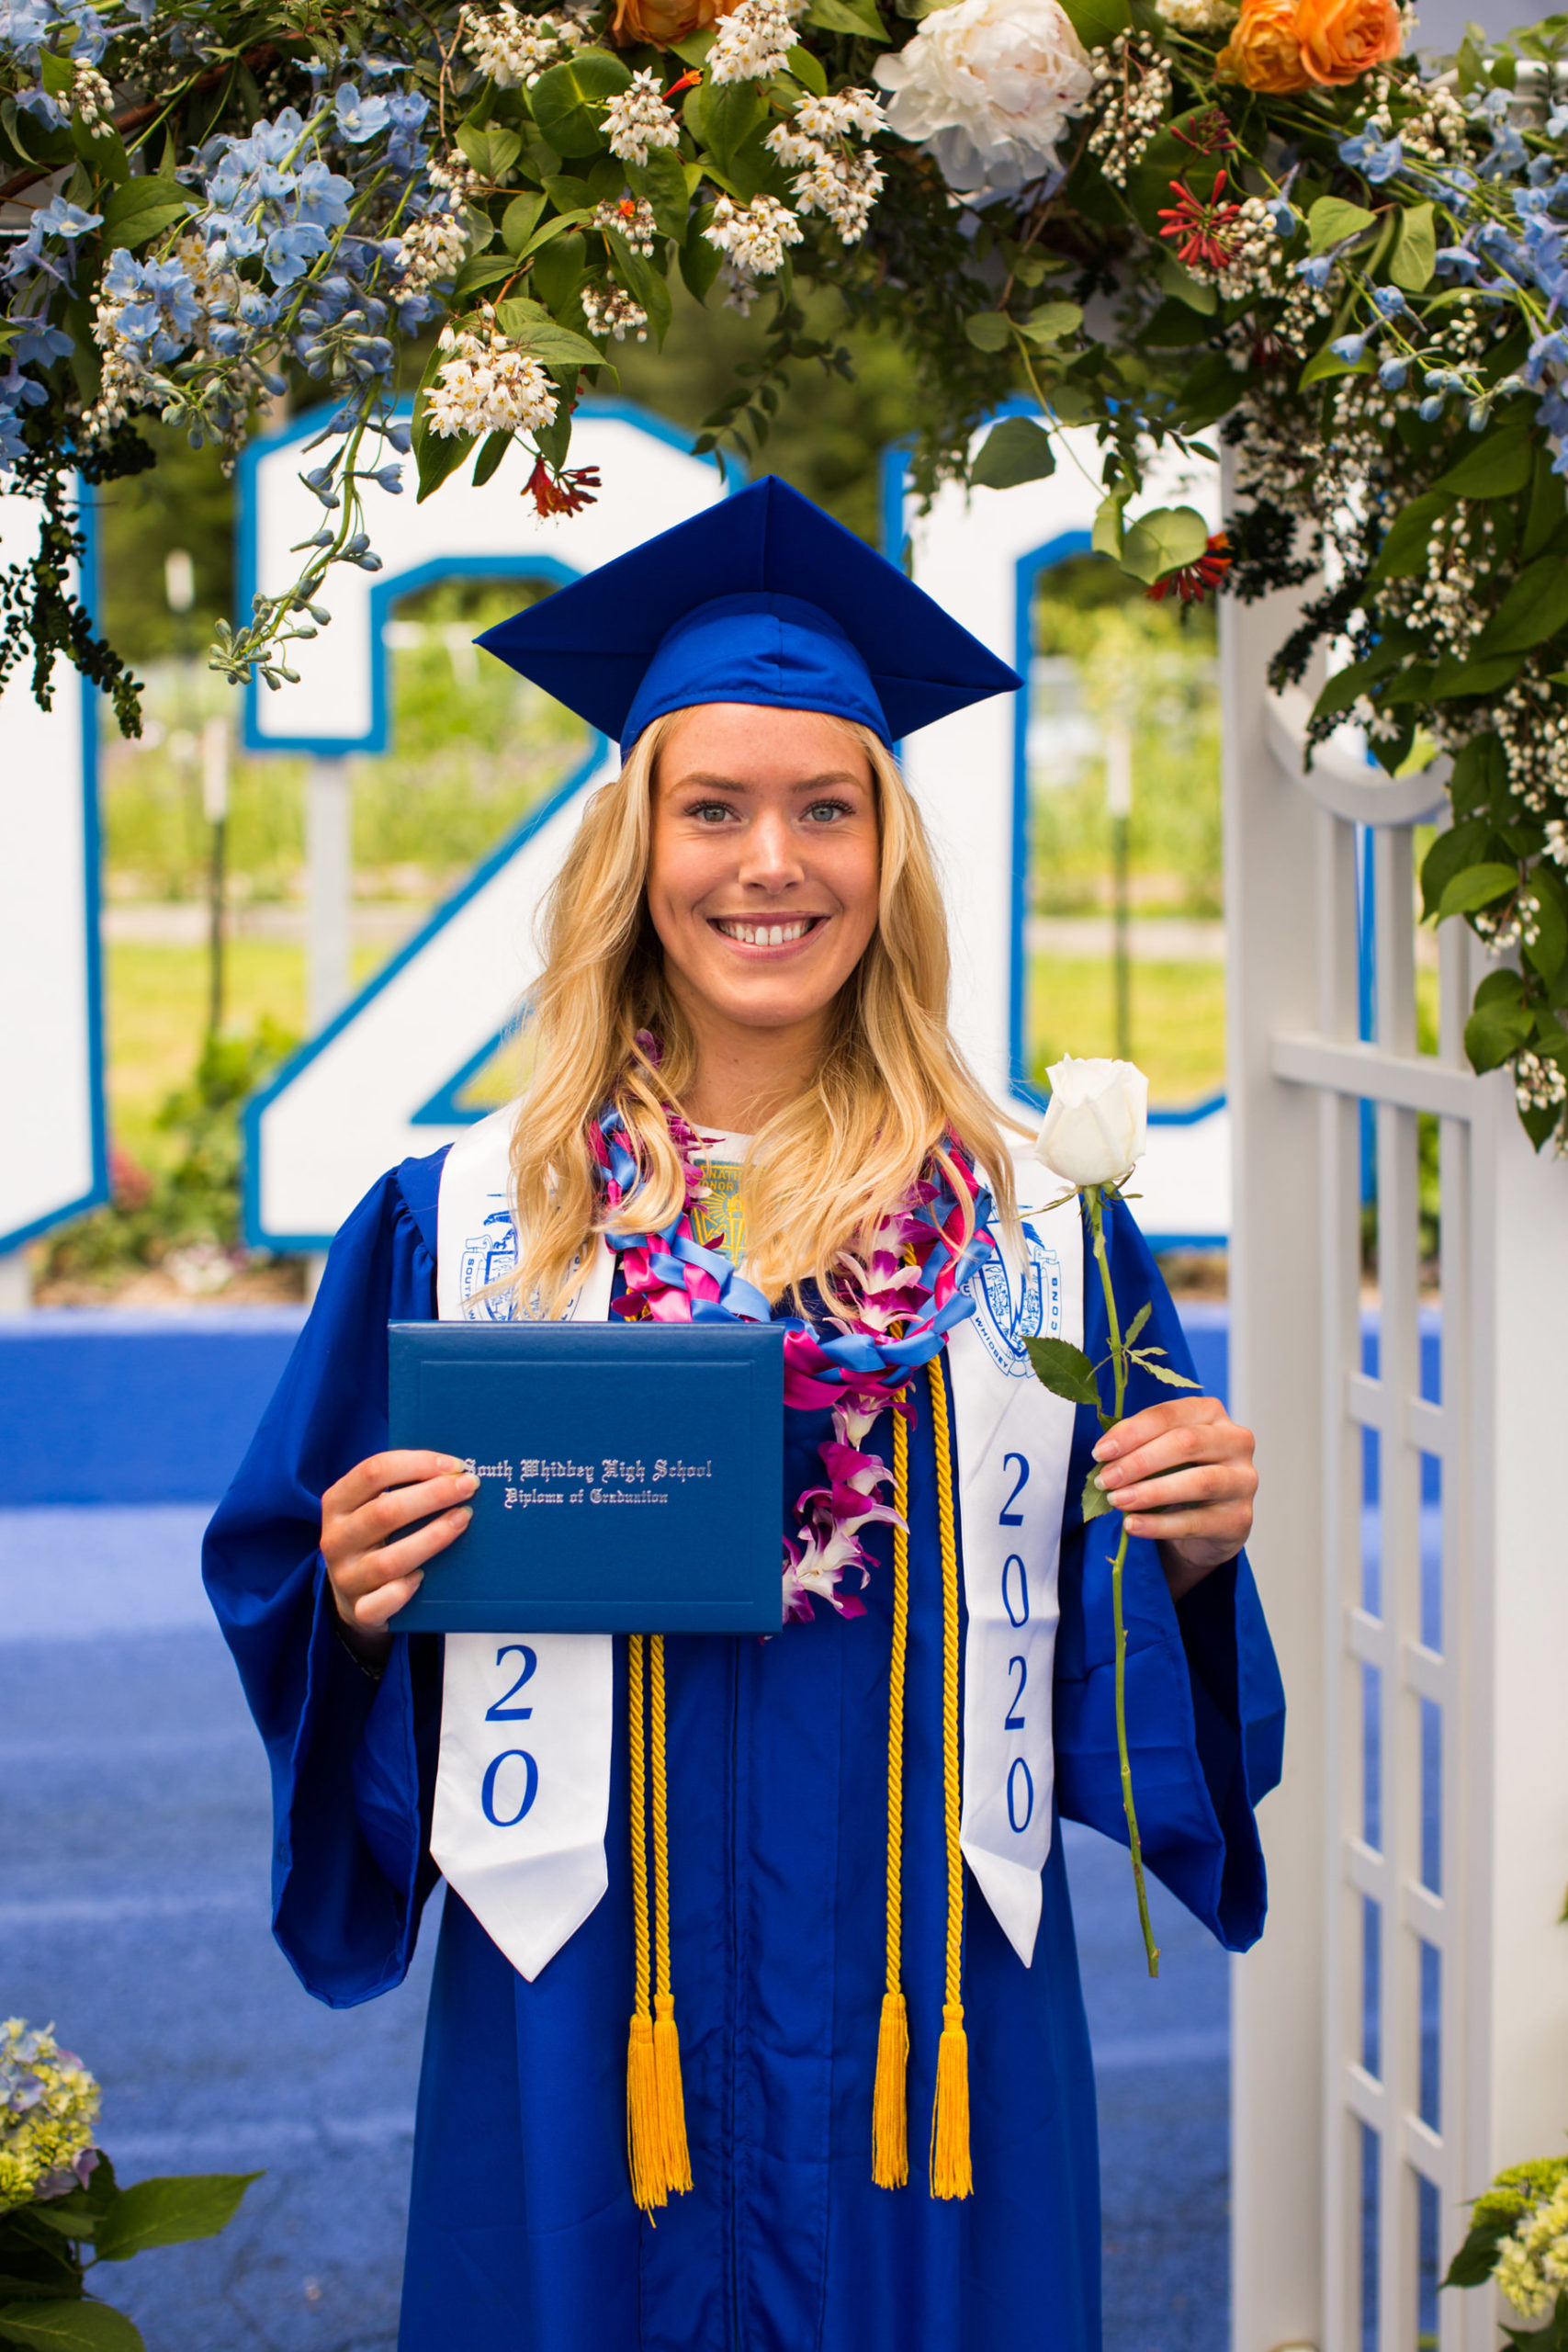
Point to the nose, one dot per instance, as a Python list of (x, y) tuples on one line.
[(770, 854)]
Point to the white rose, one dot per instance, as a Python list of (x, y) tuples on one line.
[(988, 87), (1097, 1122)]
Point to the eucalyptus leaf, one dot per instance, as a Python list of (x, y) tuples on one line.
[(1014, 451), (1064, 1369), (1051, 322), (1163, 541), (569, 100), (988, 330)]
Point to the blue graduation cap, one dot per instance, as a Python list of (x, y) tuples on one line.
[(761, 599)]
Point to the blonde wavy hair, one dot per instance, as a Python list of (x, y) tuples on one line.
[(891, 1091)]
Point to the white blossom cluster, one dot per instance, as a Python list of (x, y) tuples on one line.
[(638, 119), (92, 101), (1539, 1085), (633, 220), (1199, 16), (457, 179), (1557, 842), (433, 247), (1534, 731), (1132, 81), (488, 385), (514, 49), (753, 238), (610, 312), (1255, 265), (1442, 603), (830, 176), (754, 43)]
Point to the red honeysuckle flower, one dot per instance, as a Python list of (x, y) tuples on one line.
[(1193, 582), (1200, 226), (1210, 132), (562, 493)]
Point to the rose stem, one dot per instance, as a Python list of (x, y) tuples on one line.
[(1119, 1371)]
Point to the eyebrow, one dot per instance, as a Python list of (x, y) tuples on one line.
[(700, 779)]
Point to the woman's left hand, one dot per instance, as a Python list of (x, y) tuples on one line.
[(1183, 1475)]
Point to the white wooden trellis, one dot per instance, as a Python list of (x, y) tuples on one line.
[(1324, 2253)]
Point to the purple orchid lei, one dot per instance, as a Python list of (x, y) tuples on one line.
[(855, 1365)]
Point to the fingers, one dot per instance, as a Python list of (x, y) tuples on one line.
[(374, 1564), (399, 1466), (1182, 1473)]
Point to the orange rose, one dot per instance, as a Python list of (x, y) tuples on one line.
[(1340, 39), (663, 22), (1263, 51)]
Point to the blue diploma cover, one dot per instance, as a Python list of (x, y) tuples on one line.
[(631, 1475)]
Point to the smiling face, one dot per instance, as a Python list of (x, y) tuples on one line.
[(762, 875)]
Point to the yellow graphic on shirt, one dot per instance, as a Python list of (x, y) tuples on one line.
[(719, 1221)]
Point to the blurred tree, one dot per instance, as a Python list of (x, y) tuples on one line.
[(187, 503)]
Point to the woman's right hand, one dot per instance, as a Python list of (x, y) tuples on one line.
[(372, 1568)]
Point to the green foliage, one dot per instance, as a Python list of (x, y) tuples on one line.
[(51, 2247), (194, 1203), (1064, 1369)]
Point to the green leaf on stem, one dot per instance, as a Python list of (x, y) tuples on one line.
[(1096, 1501), (171, 2210), (847, 16), (1332, 219), (1496, 1032), (1404, 551), (519, 221), (1014, 451), (1497, 467), (568, 101), (71, 2324), (988, 330), (1416, 255), (1163, 541), (1098, 22), (1475, 886), (1048, 325), (1064, 1369), (136, 212), (1136, 1325), (1534, 609), (1160, 1371)]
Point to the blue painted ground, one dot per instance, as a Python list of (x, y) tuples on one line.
[(133, 1874)]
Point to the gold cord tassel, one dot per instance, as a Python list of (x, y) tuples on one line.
[(951, 2174), (677, 2161), (889, 2106), (644, 2154)]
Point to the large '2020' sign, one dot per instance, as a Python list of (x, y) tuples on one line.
[(384, 1080)]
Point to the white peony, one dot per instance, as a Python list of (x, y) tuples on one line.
[(1097, 1121), (988, 87)]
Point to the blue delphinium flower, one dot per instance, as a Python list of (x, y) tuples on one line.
[(1315, 269), (1391, 374), (1375, 158), (1351, 347), (357, 119), (160, 303), (1458, 261), (55, 218), (1389, 301)]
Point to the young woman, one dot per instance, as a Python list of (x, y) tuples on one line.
[(882, 2129)]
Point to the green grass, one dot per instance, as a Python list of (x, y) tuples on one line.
[(1179, 1022), (155, 1013)]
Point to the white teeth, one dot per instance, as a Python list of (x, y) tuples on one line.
[(762, 934)]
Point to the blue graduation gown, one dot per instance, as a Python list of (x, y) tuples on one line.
[(522, 2236)]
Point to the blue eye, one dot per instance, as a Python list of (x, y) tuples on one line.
[(824, 812)]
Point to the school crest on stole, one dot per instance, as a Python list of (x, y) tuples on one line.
[(1015, 1303), (489, 1257)]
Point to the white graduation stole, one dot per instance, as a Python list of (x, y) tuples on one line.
[(521, 1791), (523, 1783)]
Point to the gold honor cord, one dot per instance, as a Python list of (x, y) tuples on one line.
[(890, 2108), (950, 2168), (655, 2114), (666, 2040)]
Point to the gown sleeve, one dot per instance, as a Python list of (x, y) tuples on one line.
[(1205, 1705), (352, 1755)]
